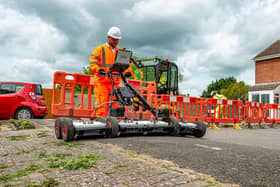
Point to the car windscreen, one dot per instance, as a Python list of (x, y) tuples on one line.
[(38, 89), (10, 88)]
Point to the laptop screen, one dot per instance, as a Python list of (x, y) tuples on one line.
[(123, 57)]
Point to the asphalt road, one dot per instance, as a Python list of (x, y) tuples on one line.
[(250, 157)]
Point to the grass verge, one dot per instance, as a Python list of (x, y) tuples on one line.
[(84, 161), (17, 138), (23, 172), (22, 124)]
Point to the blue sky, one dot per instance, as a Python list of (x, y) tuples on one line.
[(208, 40)]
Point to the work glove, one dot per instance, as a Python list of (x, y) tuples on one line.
[(127, 74), (102, 72)]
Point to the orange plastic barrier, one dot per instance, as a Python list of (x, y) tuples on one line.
[(190, 109), (223, 111), (253, 112), (69, 104), (272, 113), (146, 90)]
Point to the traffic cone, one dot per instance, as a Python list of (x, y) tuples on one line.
[(214, 126), (236, 127)]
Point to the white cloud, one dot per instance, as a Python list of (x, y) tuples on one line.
[(26, 36)]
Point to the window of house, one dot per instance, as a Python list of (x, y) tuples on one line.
[(255, 97), (265, 98)]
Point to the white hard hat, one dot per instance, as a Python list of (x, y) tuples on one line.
[(114, 32), (213, 92)]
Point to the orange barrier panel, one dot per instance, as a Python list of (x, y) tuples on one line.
[(190, 109), (146, 90), (272, 113), (223, 111), (253, 112), (70, 104)]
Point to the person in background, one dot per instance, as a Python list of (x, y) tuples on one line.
[(221, 110)]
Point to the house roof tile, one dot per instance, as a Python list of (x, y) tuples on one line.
[(272, 51), (264, 87)]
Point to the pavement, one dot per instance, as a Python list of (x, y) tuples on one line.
[(29, 162)]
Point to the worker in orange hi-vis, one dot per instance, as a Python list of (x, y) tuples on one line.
[(101, 59)]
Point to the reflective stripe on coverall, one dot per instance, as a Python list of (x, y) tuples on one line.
[(102, 57)]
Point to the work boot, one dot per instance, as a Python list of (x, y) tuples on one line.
[(236, 127), (214, 126)]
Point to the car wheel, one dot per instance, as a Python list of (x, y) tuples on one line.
[(113, 127), (175, 127), (67, 130), (24, 113), (57, 128)]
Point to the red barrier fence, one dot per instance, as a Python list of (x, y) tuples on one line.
[(186, 108), (272, 113), (69, 104), (253, 112), (223, 111), (146, 90), (81, 104)]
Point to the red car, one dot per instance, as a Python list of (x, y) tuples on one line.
[(21, 100)]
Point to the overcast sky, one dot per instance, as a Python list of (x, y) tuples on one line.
[(208, 39)]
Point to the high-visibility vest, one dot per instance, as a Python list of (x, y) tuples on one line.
[(219, 96), (162, 81), (102, 57)]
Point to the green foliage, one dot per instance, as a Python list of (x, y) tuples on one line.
[(4, 154), (22, 124), (121, 165), (236, 91), (12, 121), (218, 85), (17, 138), (59, 156), (49, 182), (111, 172), (2, 166), (42, 154), (87, 71), (26, 151), (23, 172), (8, 185), (31, 184), (84, 161)]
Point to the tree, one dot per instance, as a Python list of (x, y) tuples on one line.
[(218, 85), (236, 91), (87, 71)]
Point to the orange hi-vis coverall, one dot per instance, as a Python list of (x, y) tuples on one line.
[(102, 57)]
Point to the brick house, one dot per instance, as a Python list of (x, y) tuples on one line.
[(267, 75)]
